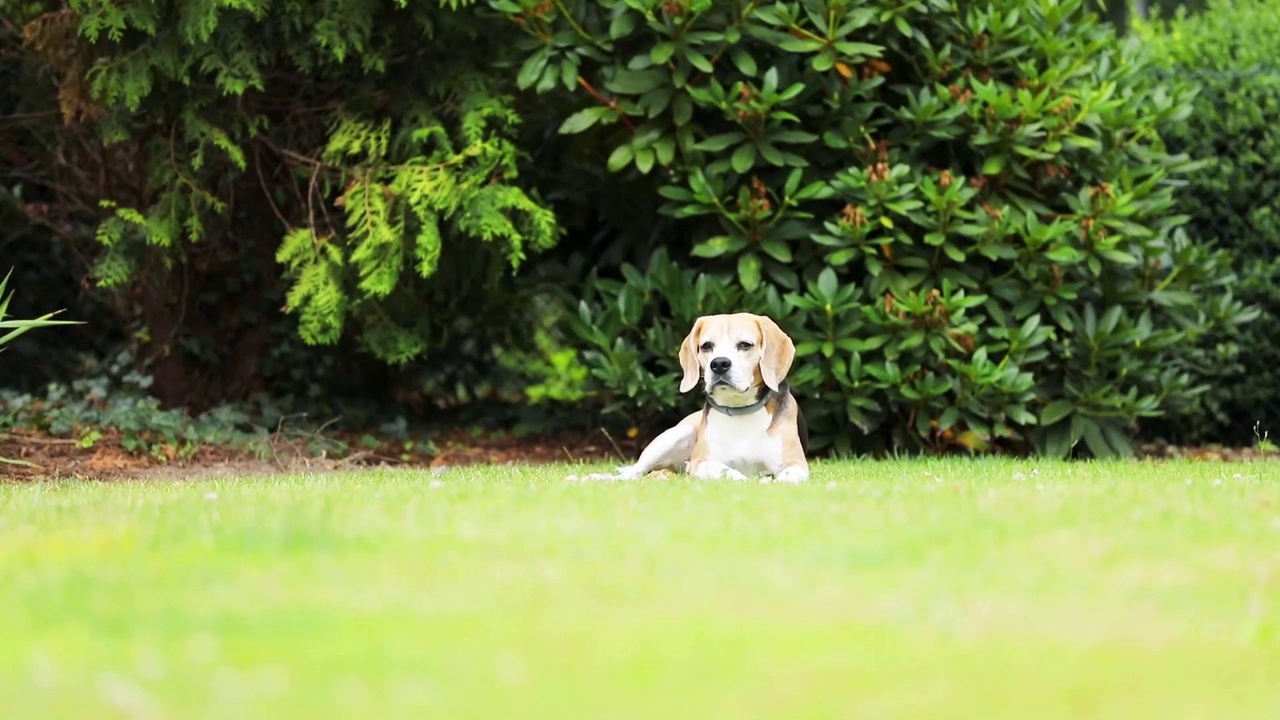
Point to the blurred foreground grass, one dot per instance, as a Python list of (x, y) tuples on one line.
[(915, 589)]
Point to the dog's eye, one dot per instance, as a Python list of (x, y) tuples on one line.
[(745, 346), (708, 346)]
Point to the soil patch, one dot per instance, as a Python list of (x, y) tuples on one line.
[(43, 457), (39, 456)]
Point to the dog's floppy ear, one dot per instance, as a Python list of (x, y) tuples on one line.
[(689, 358), (778, 352)]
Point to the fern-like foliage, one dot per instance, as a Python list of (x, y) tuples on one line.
[(317, 264), (408, 190)]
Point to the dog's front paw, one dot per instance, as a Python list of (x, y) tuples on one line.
[(629, 472), (793, 474)]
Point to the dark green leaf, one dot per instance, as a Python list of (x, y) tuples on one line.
[(827, 284), (532, 69), (620, 157), (793, 182), (675, 192), (699, 61), (770, 81), (582, 120), (644, 159), (1119, 257), (777, 249), (622, 25), (793, 44), (717, 246), (635, 82), (1055, 411), (666, 150), (743, 158), (859, 49), (743, 60), (770, 153), (682, 109), (1094, 440), (840, 258), (662, 52), (749, 271), (792, 136), (716, 143), (569, 74), (953, 252)]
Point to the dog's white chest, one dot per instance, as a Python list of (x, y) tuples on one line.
[(743, 442)]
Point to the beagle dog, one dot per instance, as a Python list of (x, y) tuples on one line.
[(750, 423)]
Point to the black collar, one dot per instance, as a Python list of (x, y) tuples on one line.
[(765, 396)]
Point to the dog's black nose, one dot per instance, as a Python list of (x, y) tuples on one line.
[(721, 365)]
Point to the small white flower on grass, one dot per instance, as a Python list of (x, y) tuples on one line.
[(211, 496), (436, 484), (1035, 472), (1217, 482), (1238, 476), (1019, 476), (831, 485)]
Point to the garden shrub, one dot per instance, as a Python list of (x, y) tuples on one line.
[(1228, 54), (352, 161), (962, 212)]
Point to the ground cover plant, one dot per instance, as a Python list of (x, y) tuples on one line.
[(906, 589)]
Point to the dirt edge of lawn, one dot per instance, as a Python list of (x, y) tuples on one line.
[(44, 457)]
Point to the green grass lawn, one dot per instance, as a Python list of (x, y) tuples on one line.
[(921, 589)]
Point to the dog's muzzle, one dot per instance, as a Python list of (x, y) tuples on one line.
[(719, 373)]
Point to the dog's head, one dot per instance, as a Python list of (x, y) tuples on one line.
[(734, 354)]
